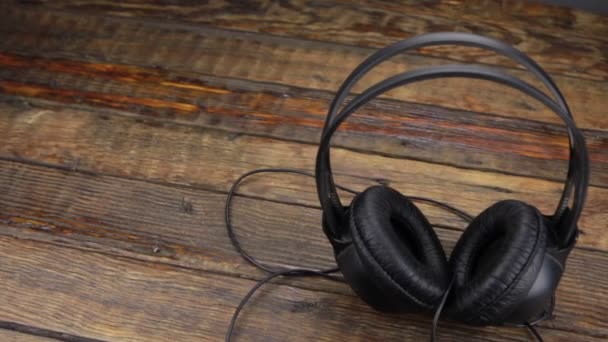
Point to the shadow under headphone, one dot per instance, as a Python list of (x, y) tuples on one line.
[(506, 266)]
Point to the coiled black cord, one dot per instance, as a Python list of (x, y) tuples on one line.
[(304, 272)]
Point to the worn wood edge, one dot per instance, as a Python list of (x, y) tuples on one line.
[(537, 16), (164, 278), (67, 129), (15, 332), (277, 111), (14, 336), (291, 69), (386, 20), (196, 239)]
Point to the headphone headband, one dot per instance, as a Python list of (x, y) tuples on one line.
[(463, 39), (579, 163)]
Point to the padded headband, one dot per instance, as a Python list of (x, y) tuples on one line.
[(463, 39), (330, 202)]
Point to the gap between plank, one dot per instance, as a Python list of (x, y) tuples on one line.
[(211, 190), (268, 37), (280, 282), (34, 331)]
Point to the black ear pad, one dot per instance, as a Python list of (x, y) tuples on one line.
[(399, 251), (496, 262)]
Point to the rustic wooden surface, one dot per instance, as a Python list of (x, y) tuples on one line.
[(124, 124)]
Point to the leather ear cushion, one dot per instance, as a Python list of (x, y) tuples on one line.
[(496, 262), (398, 246)]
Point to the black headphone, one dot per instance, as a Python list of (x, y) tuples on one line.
[(507, 264)]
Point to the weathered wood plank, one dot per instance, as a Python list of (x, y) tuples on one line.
[(548, 34), (194, 156), (299, 63), (149, 222), (132, 247), (13, 336), (434, 134), (159, 221), (515, 13), (90, 294), (184, 227)]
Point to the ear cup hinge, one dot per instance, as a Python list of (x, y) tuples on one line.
[(334, 229), (560, 226)]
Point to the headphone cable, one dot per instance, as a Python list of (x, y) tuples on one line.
[(444, 299), (534, 332)]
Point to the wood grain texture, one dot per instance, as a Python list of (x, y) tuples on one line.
[(568, 42), (13, 336), (429, 133), (212, 159), (184, 227), (45, 284), (124, 124), (306, 64)]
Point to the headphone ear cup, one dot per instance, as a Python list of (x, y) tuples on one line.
[(496, 261), (397, 247)]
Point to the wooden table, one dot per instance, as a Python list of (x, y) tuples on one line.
[(124, 124)]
